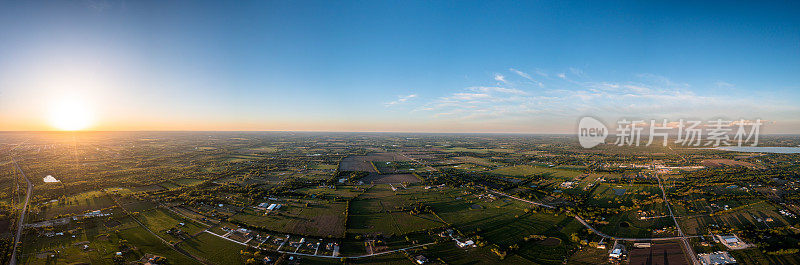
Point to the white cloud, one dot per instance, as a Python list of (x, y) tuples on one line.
[(723, 84), (522, 74), (400, 100), (577, 72), (500, 78), (526, 76), (646, 96), (498, 89)]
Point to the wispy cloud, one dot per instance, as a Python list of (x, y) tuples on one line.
[(522, 74), (542, 73), (577, 72), (501, 78), (486, 89), (97, 5), (723, 84), (644, 95), (400, 100), (526, 76)]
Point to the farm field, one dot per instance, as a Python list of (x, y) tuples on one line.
[(76, 204), (451, 196), (316, 219), (525, 170), (214, 249)]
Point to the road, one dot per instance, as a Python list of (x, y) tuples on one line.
[(174, 247), (21, 223), (686, 246), (324, 256)]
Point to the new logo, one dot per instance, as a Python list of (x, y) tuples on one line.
[(591, 132)]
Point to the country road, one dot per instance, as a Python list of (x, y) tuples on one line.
[(324, 256), (684, 242), (21, 223)]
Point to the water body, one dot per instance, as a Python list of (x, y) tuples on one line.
[(761, 149), (49, 179)]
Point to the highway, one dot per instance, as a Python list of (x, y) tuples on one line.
[(21, 223)]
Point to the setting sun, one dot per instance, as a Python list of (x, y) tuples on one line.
[(70, 115)]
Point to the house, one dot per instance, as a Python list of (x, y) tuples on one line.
[(273, 207), (465, 243), (420, 259), (732, 242), (263, 205), (641, 245), (616, 253), (716, 258)]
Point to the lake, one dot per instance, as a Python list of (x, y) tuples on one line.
[(761, 149)]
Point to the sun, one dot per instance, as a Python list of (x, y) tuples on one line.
[(70, 115)]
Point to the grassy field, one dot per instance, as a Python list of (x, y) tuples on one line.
[(743, 217), (475, 160), (214, 249), (169, 185), (102, 241), (76, 204), (147, 243), (526, 170), (188, 181), (160, 220), (384, 211), (477, 150), (316, 219)]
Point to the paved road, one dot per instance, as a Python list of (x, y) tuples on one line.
[(686, 246), (324, 256), (21, 223)]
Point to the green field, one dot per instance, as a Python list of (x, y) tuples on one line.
[(316, 219), (526, 170), (76, 204), (160, 220), (188, 181), (214, 249)]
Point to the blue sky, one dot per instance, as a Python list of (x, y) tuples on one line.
[(438, 66)]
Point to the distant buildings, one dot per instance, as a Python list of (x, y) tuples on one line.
[(719, 257), (265, 206), (618, 252), (732, 242), (465, 243)]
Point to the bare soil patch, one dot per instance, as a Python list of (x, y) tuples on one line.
[(658, 254)]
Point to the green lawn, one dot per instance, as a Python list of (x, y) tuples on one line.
[(214, 249)]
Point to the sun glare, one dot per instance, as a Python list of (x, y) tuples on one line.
[(70, 115)]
